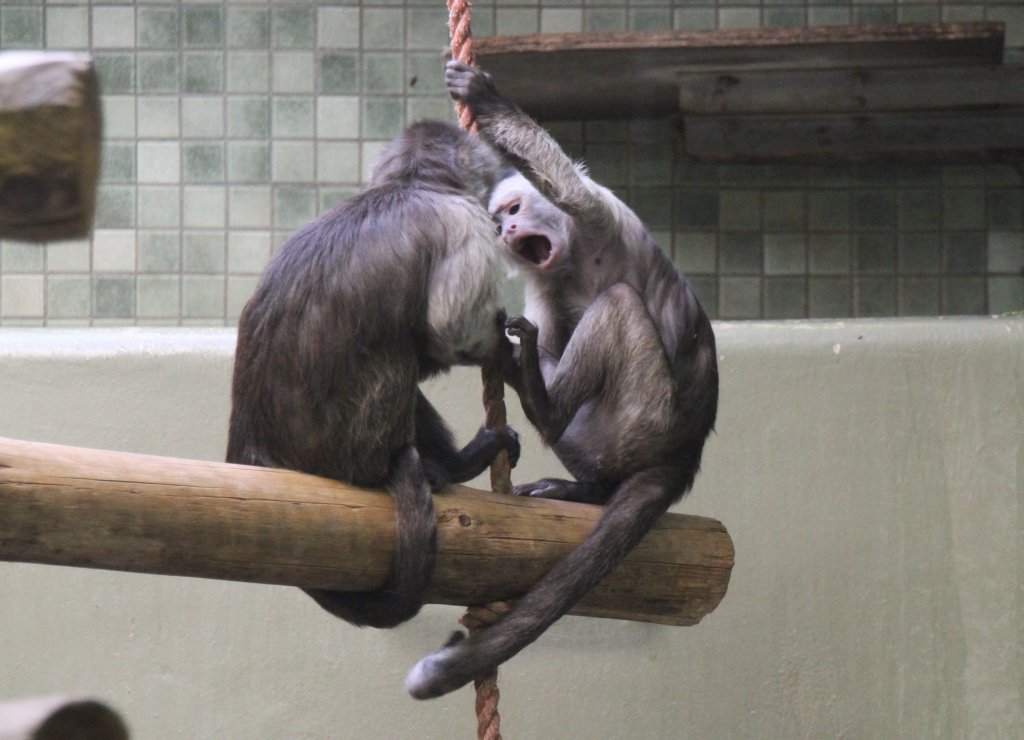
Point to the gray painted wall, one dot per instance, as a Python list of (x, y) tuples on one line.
[(869, 472)]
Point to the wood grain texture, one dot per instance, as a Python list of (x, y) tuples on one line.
[(50, 132), (801, 91), (968, 136), (120, 511), (612, 75)]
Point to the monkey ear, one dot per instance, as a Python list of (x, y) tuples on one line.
[(455, 639)]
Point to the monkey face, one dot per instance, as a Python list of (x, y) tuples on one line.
[(535, 231)]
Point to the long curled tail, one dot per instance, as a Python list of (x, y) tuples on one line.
[(633, 509), (401, 597)]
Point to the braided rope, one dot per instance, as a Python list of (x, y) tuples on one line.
[(488, 721)]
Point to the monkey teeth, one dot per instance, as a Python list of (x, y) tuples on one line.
[(534, 248)]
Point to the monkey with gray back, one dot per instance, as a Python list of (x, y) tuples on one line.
[(393, 286), (616, 369)]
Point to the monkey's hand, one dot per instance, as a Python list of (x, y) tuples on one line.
[(510, 443), (473, 86), (525, 330)]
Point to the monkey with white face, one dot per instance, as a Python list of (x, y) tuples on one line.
[(616, 369), (392, 286)]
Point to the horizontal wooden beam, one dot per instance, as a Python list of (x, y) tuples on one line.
[(60, 718), (49, 145), (614, 75), (925, 137), (120, 511), (879, 90)]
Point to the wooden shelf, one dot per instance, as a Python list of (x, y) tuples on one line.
[(934, 90)]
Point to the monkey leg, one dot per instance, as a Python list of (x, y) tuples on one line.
[(401, 597), (609, 406), (635, 506)]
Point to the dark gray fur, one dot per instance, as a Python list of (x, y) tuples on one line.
[(616, 369), (388, 288)]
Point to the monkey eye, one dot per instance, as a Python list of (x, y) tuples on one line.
[(513, 209)]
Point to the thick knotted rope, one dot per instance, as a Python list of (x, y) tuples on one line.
[(476, 618)]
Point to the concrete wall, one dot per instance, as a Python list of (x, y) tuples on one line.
[(869, 472)]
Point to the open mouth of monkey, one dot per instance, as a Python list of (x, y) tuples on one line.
[(535, 248)]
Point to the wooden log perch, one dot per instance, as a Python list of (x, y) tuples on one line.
[(60, 718), (49, 145), (140, 513)]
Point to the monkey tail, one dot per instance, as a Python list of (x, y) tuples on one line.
[(401, 597), (633, 509)]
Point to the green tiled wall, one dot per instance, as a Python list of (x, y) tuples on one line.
[(229, 124)]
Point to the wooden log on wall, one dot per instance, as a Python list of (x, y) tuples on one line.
[(60, 718), (49, 145), (121, 511)]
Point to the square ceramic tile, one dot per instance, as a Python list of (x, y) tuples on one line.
[(1006, 252), (383, 28), (294, 206), (21, 257), (202, 296), (293, 27), (114, 297), (293, 72), (740, 253), (338, 117), (202, 72), (159, 206), (158, 28), (739, 210), (157, 72), (69, 256), (920, 252), (338, 28), (338, 161), (203, 161), (158, 296), (292, 117), (159, 251), (248, 72), (965, 252), (203, 26), (113, 251), (158, 117), (248, 251), (785, 254), (204, 252), (293, 161), (68, 296), (203, 207), (739, 298), (785, 298), (248, 117), (874, 296), (339, 73), (248, 28), (113, 27), (67, 28), (696, 252), (829, 297), (202, 117)]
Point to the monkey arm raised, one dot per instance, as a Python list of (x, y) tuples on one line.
[(528, 146), (140, 513)]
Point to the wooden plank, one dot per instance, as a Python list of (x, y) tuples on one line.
[(960, 136), (49, 145), (851, 90), (60, 718), (611, 75), (92, 508)]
